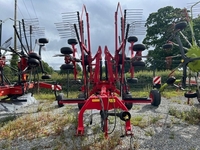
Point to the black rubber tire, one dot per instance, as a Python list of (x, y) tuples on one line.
[(121, 59), (156, 97), (180, 25), (86, 61), (46, 77), (190, 95), (67, 66), (132, 80), (138, 63), (167, 46), (66, 50), (80, 105), (128, 105), (72, 41), (171, 80), (43, 40), (127, 58), (32, 62), (59, 97), (198, 95), (139, 47), (132, 39), (34, 55)]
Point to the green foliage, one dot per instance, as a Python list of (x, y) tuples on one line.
[(46, 67), (14, 60), (159, 28), (192, 116)]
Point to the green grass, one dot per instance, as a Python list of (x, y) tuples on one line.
[(191, 116)]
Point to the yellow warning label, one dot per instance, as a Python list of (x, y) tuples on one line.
[(96, 100), (112, 100)]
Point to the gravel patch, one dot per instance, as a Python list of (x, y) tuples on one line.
[(167, 132)]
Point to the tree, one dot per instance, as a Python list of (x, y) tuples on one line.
[(14, 60), (159, 28), (46, 67)]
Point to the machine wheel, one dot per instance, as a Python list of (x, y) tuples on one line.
[(138, 63), (72, 41), (180, 25), (128, 105), (67, 66), (34, 55), (171, 80), (86, 61), (32, 62), (66, 50), (198, 95), (59, 97), (43, 40), (139, 47), (132, 80), (190, 95), (80, 105), (46, 77), (121, 59), (167, 46), (132, 39), (156, 97)]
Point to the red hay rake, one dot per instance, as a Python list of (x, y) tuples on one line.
[(26, 71), (109, 91)]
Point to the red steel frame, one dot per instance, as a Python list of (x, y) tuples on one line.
[(104, 94), (20, 89)]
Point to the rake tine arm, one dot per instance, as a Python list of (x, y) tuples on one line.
[(19, 39)]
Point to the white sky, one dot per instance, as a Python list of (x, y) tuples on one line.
[(101, 15)]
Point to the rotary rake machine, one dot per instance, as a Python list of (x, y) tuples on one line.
[(190, 60), (105, 87), (26, 72)]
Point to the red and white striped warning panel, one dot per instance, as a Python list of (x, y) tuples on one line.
[(157, 80)]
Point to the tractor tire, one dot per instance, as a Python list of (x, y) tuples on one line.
[(72, 41), (121, 59), (128, 105), (59, 97), (156, 97), (86, 61), (171, 80), (132, 39), (66, 50), (43, 40), (33, 62), (190, 95), (34, 55), (132, 80), (167, 46), (198, 95), (67, 66), (46, 77), (139, 47), (80, 105), (138, 63), (180, 25)]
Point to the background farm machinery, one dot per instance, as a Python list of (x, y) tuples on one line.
[(25, 70), (190, 60), (105, 85)]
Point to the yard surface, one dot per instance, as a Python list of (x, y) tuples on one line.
[(45, 126)]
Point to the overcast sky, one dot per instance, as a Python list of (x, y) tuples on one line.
[(101, 13)]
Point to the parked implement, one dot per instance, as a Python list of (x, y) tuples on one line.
[(105, 86), (25, 71), (190, 62)]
